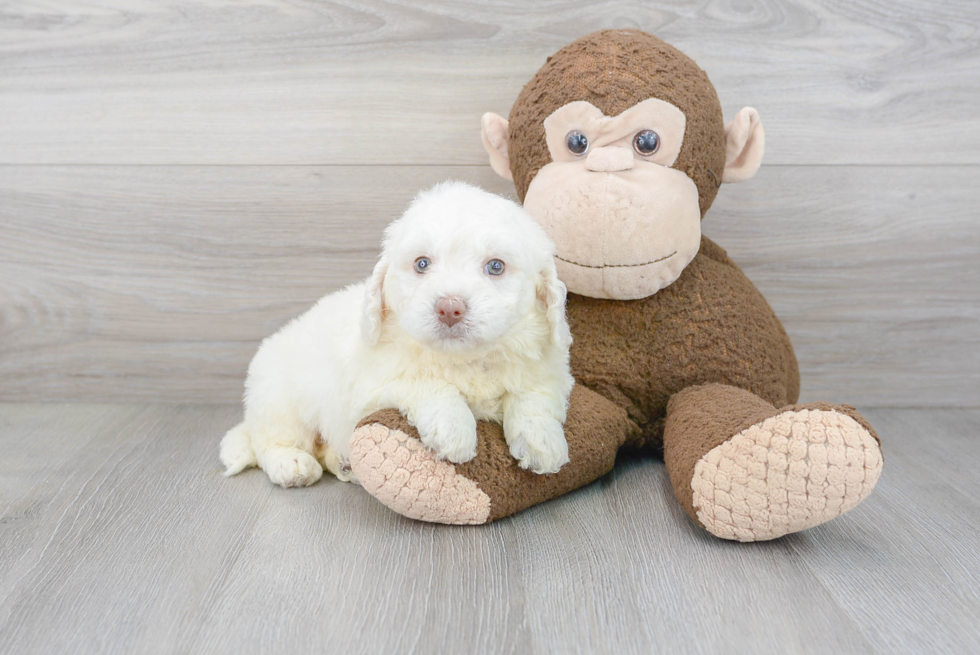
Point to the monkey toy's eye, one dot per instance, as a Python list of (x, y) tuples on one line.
[(422, 264), (646, 142), (577, 143), (494, 267)]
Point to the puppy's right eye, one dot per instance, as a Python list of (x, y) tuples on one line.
[(422, 264), (494, 267)]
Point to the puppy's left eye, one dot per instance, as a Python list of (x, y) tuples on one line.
[(494, 267), (422, 264)]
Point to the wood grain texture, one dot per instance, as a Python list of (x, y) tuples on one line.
[(126, 531), (157, 283), (376, 82)]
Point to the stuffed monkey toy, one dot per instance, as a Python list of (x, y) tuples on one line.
[(617, 146)]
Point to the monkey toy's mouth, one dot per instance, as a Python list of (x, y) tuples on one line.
[(623, 281), (653, 261)]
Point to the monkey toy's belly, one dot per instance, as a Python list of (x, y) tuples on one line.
[(710, 325)]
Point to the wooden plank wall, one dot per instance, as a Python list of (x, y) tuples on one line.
[(179, 179)]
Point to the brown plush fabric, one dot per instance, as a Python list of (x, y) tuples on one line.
[(595, 430), (645, 67), (711, 325)]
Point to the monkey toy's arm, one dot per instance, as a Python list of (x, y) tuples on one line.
[(392, 465)]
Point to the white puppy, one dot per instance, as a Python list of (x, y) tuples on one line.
[(463, 319)]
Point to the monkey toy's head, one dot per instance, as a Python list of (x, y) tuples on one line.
[(617, 146)]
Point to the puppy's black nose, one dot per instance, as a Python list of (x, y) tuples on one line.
[(450, 310)]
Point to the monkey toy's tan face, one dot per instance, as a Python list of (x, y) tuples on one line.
[(625, 223), (624, 220)]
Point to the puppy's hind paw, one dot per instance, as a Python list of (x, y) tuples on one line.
[(291, 467), (538, 444)]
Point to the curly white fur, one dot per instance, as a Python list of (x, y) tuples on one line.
[(506, 361)]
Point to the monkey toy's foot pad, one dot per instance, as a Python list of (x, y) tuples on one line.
[(787, 473), (403, 474)]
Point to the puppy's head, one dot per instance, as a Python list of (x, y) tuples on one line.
[(461, 268)]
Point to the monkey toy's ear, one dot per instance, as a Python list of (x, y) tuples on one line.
[(496, 137), (745, 141)]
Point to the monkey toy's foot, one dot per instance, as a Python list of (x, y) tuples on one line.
[(393, 466), (748, 471)]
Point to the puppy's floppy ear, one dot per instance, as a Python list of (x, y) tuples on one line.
[(552, 293), (374, 304)]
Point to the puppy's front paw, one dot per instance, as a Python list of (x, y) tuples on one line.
[(448, 429), (291, 467), (538, 444)]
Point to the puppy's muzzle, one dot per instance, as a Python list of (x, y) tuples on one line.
[(450, 310)]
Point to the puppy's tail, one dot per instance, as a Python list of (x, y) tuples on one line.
[(236, 450)]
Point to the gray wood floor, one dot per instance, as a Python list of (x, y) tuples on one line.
[(120, 535)]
